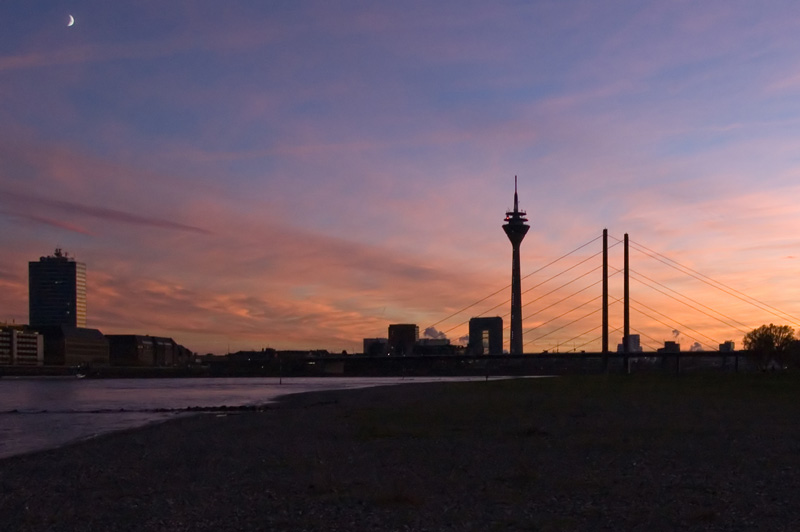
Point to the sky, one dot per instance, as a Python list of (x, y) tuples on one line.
[(301, 174)]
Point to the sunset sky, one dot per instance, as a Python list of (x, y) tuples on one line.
[(297, 174)]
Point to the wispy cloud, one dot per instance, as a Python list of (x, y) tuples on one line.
[(49, 221), (14, 200)]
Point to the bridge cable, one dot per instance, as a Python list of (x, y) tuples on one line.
[(616, 300), (547, 294), (507, 326), (569, 296), (688, 305), (713, 283), (671, 326), (640, 333), (526, 331), (563, 326), (508, 286), (593, 339), (674, 320), (592, 329), (563, 299)]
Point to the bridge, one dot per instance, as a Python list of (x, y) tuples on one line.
[(578, 301)]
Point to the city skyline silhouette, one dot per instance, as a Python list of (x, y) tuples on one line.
[(303, 176)]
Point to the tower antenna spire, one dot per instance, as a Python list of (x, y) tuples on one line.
[(516, 200)]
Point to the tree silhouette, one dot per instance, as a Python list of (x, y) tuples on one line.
[(770, 343)]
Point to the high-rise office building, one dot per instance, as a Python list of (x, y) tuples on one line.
[(57, 291)]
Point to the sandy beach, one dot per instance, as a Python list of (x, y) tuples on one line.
[(719, 452)]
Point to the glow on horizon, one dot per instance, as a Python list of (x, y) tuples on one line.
[(302, 175)]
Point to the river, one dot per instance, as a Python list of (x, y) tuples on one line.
[(42, 413)]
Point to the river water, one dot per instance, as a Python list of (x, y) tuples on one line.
[(42, 413)]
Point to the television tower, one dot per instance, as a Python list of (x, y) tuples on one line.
[(516, 228)]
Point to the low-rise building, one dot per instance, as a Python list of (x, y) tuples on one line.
[(670, 347), (143, 350), (437, 346), (375, 347), (727, 347), (21, 347), (65, 345)]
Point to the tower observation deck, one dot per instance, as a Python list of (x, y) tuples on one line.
[(516, 228)]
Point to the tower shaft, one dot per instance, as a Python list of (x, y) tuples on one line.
[(515, 347), (605, 295), (626, 319)]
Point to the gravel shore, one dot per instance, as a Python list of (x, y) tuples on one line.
[(580, 453)]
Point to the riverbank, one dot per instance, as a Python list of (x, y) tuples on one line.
[(702, 452)]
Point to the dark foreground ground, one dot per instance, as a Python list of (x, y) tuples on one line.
[(647, 453)]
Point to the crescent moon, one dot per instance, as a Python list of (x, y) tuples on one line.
[(71, 21)]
